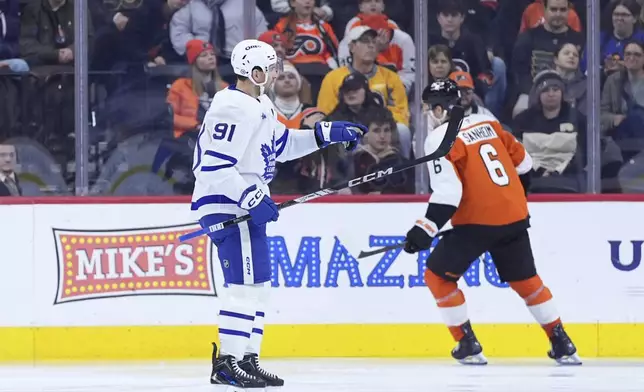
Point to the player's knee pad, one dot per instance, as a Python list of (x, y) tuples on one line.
[(532, 290), (247, 297), (264, 294), (438, 285)]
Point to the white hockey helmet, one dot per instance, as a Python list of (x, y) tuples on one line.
[(250, 54)]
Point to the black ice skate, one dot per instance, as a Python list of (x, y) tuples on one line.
[(250, 364), (563, 350), (226, 372), (469, 351)]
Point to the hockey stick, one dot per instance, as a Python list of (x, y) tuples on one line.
[(456, 118), (364, 254)]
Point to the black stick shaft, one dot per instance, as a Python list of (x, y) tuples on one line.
[(364, 254)]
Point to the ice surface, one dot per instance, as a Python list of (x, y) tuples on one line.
[(316, 375)]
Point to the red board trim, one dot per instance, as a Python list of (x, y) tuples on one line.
[(544, 198)]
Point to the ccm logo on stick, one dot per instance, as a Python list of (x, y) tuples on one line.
[(371, 176)]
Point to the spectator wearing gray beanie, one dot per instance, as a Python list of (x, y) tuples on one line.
[(543, 81)]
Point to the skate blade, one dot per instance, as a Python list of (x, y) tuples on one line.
[(229, 388), (569, 360), (473, 360)]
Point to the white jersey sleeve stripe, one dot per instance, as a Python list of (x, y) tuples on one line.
[(525, 165), (296, 144), (280, 144)]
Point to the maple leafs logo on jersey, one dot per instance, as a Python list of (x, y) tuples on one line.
[(268, 153)]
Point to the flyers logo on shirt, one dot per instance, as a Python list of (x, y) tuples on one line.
[(131, 262), (306, 44)]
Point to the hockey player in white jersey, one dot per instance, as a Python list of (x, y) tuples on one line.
[(234, 160)]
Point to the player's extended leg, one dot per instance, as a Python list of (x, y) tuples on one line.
[(250, 363), (445, 265), (540, 302), (453, 309), (515, 264), (236, 248), (236, 318)]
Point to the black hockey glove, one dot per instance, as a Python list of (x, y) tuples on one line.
[(420, 236), (525, 181)]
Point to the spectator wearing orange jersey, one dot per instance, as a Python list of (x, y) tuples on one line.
[(396, 48), (309, 39), (369, 8), (324, 11), (278, 42), (190, 97), (534, 15)]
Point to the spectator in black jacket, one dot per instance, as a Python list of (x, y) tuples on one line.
[(552, 131), (470, 54), (9, 182), (480, 16), (9, 33), (377, 152), (47, 32), (145, 39), (535, 48), (355, 99), (110, 17)]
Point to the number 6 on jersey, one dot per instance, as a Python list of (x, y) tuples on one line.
[(480, 175), (494, 167)]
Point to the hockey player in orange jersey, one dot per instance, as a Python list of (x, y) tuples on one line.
[(479, 185)]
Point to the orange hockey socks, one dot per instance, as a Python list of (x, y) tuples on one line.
[(450, 301), (539, 301)]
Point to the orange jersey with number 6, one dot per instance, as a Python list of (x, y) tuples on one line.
[(480, 175)]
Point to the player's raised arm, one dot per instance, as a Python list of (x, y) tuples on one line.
[(295, 143)]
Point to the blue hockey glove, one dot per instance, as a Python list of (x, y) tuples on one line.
[(327, 132), (262, 209)]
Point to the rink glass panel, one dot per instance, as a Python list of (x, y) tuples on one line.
[(100, 125)]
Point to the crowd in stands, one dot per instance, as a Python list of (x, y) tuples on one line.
[(155, 66)]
